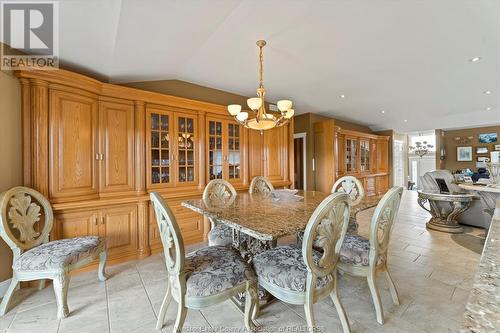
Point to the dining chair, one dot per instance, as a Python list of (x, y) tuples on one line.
[(354, 188), (205, 277), (364, 257), (26, 221), (260, 184), (219, 192), (304, 276)]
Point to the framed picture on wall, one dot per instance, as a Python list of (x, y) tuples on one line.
[(497, 147), (483, 159), (464, 154), (488, 138), (481, 150)]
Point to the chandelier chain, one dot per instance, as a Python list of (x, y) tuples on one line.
[(261, 57)]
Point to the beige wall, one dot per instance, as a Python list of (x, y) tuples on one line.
[(447, 138), (304, 123), (10, 150)]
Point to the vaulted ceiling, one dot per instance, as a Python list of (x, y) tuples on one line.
[(410, 58)]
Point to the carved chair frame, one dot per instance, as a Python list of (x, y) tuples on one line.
[(352, 186), (173, 247), (260, 184), (380, 231), (27, 214)]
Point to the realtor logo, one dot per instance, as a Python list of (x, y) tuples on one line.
[(29, 35)]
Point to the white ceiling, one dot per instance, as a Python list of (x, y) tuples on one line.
[(407, 57)]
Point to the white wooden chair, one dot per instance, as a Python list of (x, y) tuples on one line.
[(354, 188), (365, 257), (204, 277), (260, 184), (219, 193), (304, 276), (26, 231)]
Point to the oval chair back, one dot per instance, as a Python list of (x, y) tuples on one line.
[(219, 193), (26, 219), (352, 186), (170, 234), (326, 230), (260, 184), (382, 222)]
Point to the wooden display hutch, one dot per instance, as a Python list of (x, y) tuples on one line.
[(340, 152), (96, 150)]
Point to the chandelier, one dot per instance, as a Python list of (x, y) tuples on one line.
[(421, 148), (260, 119)]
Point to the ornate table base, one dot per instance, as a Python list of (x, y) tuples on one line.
[(248, 248), (444, 218)]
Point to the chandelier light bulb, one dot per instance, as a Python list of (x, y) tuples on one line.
[(289, 113), (254, 103), (242, 116), (234, 109), (284, 105)]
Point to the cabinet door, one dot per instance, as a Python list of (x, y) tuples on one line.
[(119, 226), (255, 153), (216, 151), (351, 155), (275, 153), (76, 224), (186, 141), (117, 135), (159, 148), (73, 149), (234, 152)]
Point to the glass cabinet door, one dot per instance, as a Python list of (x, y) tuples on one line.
[(234, 151), (160, 148), (215, 150), (364, 155), (186, 146), (351, 155)]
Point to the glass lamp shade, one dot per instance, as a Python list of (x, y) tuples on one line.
[(289, 114), (234, 109), (263, 124), (284, 105), (242, 116), (254, 103)]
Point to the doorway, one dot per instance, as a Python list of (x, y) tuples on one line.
[(398, 162), (299, 165)]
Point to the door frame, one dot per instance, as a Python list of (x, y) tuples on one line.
[(303, 136)]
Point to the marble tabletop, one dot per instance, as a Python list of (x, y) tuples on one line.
[(483, 306), (264, 216), (480, 188)]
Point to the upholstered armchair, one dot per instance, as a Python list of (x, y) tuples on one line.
[(360, 256), (260, 184), (474, 215), (219, 193), (303, 275), (205, 277), (26, 221)]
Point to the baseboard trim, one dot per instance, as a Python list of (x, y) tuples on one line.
[(4, 285)]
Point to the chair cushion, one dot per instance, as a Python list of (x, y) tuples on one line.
[(284, 268), (214, 269), (220, 235), (355, 250), (59, 254)]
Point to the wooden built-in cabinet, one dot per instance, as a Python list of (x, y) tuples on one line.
[(340, 152), (97, 150)]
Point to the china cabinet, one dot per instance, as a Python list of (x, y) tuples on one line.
[(96, 150)]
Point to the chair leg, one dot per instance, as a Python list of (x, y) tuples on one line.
[(181, 317), (392, 287), (101, 272), (163, 308), (251, 302), (340, 309), (376, 297), (61, 284), (41, 284), (308, 308), (14, 282)]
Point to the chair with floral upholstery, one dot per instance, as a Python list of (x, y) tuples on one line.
[(364, 257), (305, 276), (220, 193), (354, 188), (205, 277), (26, 221), (260, 184)]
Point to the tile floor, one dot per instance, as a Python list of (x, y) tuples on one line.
[(433, 272)]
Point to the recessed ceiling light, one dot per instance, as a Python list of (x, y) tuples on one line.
[(488, 108), (342, 96), (383, 111), (475, 59), (487, 92), (406, 120)]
